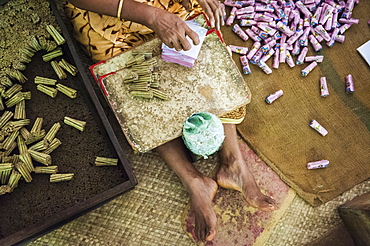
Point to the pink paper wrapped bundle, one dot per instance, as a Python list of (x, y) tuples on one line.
[(185, 58)]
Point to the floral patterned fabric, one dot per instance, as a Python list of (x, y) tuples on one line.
[(104, 36)]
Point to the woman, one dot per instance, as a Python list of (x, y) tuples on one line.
[(106, 28), (127, 23)]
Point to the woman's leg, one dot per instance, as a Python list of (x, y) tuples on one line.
[(234, 173), (201, 189)]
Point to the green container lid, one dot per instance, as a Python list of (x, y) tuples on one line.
[(203, 133)]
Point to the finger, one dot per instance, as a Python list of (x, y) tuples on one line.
[(192, 35), (208, 11), (216, 12), (218, 18), (169, 44), (183, 42), (178, 45), (223, 19)]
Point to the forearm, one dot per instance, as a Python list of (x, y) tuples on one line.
[(131, 10)]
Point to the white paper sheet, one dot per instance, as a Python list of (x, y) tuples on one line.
[(365, 51), (182, 57)]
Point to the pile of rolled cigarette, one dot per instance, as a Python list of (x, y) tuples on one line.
[(23, 152), (34, 149), (143, 76), (48, 86), (283, 29)]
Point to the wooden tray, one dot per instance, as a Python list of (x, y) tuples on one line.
[(214, 84), (69, 207)]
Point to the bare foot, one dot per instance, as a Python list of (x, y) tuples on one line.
[(201, 191), (234, 174)]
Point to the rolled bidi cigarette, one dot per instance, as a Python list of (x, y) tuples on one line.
[(317, 164), (326, 14), (319, 128), (284, 29), (303, 9), (239, 49), (340, 38), (318, 58), (315, 44), (334, 23), (262, 17), (324, 91), (329, 22), (303, 40), (265, 48), (245, 16), (295, 36), (322, 32), (264, 8), (263, 35), (246, 22), (283, 48), (278, 10), (333, 36), (253, 35), (264, 67), (271, 98), (347, 12), (349, 21), (268, 55), (289, 59), (231, 3), (276, 61), (265, 26), (344, 28), (245, 65), (308, 69), (246, 10), (257, 57), (315, 18), (253, 50), (239, 31), (296, 49), (350, 87), (231, 17)]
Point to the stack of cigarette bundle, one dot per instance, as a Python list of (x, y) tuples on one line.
[(142, 76), (282, 29), (185, 58)]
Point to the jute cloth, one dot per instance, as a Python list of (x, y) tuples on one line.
[(280, 132)]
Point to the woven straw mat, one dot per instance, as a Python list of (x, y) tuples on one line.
[(151, 213)]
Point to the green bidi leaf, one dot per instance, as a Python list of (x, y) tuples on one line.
[(203, 133)]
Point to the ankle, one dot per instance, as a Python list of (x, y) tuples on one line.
[(199, 182)]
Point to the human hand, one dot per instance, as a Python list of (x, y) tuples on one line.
[(214, 10), (172, 30)]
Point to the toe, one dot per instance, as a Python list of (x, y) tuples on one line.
[(200, 233), (211, 235), (212, 224), (268, 204)]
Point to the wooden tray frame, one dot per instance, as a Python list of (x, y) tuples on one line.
[(30, 233)]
